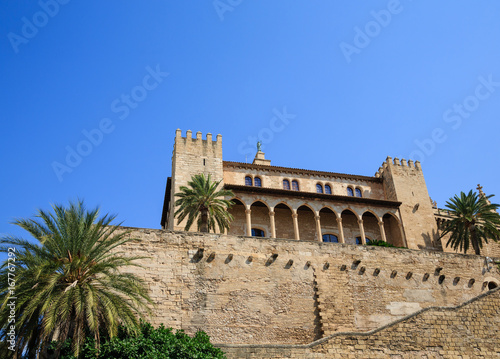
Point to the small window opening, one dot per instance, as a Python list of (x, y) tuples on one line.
[(256, 232), (330, 238)]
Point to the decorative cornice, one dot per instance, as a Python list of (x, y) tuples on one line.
[(299, 171), (322, 196)]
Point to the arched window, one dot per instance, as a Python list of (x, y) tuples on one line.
[(248, 181), (358, 193), (328, 189), (286, 184), (257, 182), (330, 238), (295, 185), (256, 232), (358, 240), (368, 240), (319, 188), (350, 192)]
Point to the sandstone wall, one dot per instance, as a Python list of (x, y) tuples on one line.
[(257, 291), (273, 177), (471, 330)]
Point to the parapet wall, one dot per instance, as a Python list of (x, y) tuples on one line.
[(246, 290)]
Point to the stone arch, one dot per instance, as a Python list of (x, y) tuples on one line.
[(307, 222), (350, 225), (327, 207), (284, 221), (264, 202), (237, 226), (328, 219), (370, 224), (392, 230), (260, 216)]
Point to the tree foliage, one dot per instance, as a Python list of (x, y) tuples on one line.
[(474, 221), (201, 202), (70, 283), (150, 343)]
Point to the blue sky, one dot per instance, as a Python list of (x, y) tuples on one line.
[(92, 93)]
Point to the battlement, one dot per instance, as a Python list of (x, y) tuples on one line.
[(189, 136), (407, 165)]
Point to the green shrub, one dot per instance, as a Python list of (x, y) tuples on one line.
[(380, 243), (149, 343)]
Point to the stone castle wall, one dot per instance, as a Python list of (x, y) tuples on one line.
[(246, 290), (471, 330)]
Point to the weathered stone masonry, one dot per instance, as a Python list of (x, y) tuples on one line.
[(247, 290)]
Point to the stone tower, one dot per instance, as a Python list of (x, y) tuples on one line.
[(193, 156), (404, 182)]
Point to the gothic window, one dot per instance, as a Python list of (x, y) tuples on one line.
[(319, 188), (295, 185), (256, 232), (350, 192), (286, 184), (257, 182), (358, 193), (328, 189), (248, 181), (330, 238)]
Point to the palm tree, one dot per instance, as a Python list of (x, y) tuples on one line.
[(474, 219), (200, 201), (70, 284)]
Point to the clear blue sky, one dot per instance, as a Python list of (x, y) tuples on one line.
[(359, 81)]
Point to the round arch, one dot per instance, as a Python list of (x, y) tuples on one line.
[(306, 217), (392, 230), (371, 226), (350, 225)]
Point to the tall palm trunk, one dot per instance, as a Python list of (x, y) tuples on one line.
[(204, 220), (473, 239)]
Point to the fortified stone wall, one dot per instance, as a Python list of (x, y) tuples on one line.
[(471, 330), (404, 182), (248, 290)]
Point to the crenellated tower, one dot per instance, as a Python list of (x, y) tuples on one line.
[(404, 182), (193, 156)]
